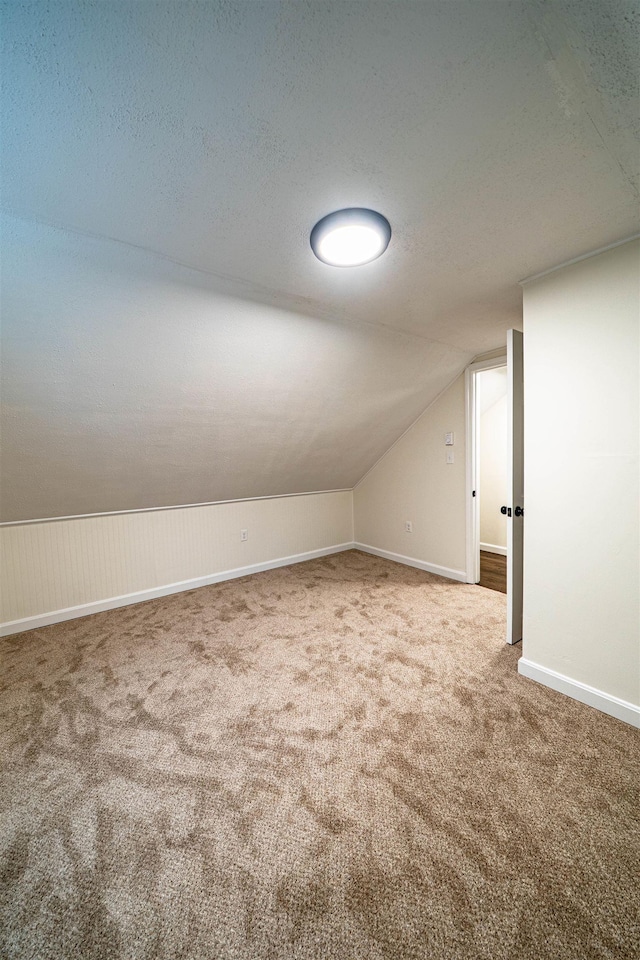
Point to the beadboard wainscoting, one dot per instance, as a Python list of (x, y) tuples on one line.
[(61, 569)]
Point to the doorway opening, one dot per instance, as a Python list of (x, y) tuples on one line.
[(494, 455), (491, 476)]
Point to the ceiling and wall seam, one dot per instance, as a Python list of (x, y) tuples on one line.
[(270, 297), (411, 426), (582, 256)]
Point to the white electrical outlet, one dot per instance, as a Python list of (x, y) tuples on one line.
[(244, 535), (408, 526), (448, 439)]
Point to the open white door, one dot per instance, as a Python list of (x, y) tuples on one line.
[(515, 498)]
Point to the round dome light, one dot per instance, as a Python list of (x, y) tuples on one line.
[(349, 238)]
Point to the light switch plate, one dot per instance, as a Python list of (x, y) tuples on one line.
[(448, 439)]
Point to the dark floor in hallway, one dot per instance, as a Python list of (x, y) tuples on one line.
[(493, 571)]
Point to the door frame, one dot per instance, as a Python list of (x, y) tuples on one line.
[(472, 481)]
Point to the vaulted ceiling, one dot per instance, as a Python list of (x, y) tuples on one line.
[(169, 336)]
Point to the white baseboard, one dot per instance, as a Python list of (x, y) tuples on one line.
[(493, 548), (98, 606), (447, 572), (621, 709)]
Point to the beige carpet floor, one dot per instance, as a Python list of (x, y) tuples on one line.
[(332, 761)]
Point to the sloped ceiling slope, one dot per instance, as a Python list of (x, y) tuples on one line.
[(133, 382), (169, 337)]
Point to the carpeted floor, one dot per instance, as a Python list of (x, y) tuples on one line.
[(335, 760)]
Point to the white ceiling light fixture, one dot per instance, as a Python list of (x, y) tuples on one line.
[(349, 238)]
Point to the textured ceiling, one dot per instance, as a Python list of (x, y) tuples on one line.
[(498, 138)]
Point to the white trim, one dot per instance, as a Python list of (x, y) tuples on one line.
[(353, 516), (605, 702), (97, 606), (447, 572), (489, 355), (583, 256), (479, 365), (175, 506), (472, 559), (493, 548)]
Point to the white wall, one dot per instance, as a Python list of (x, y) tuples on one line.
[(48, 567), (582, 492), (414, 482), (493, 457)]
